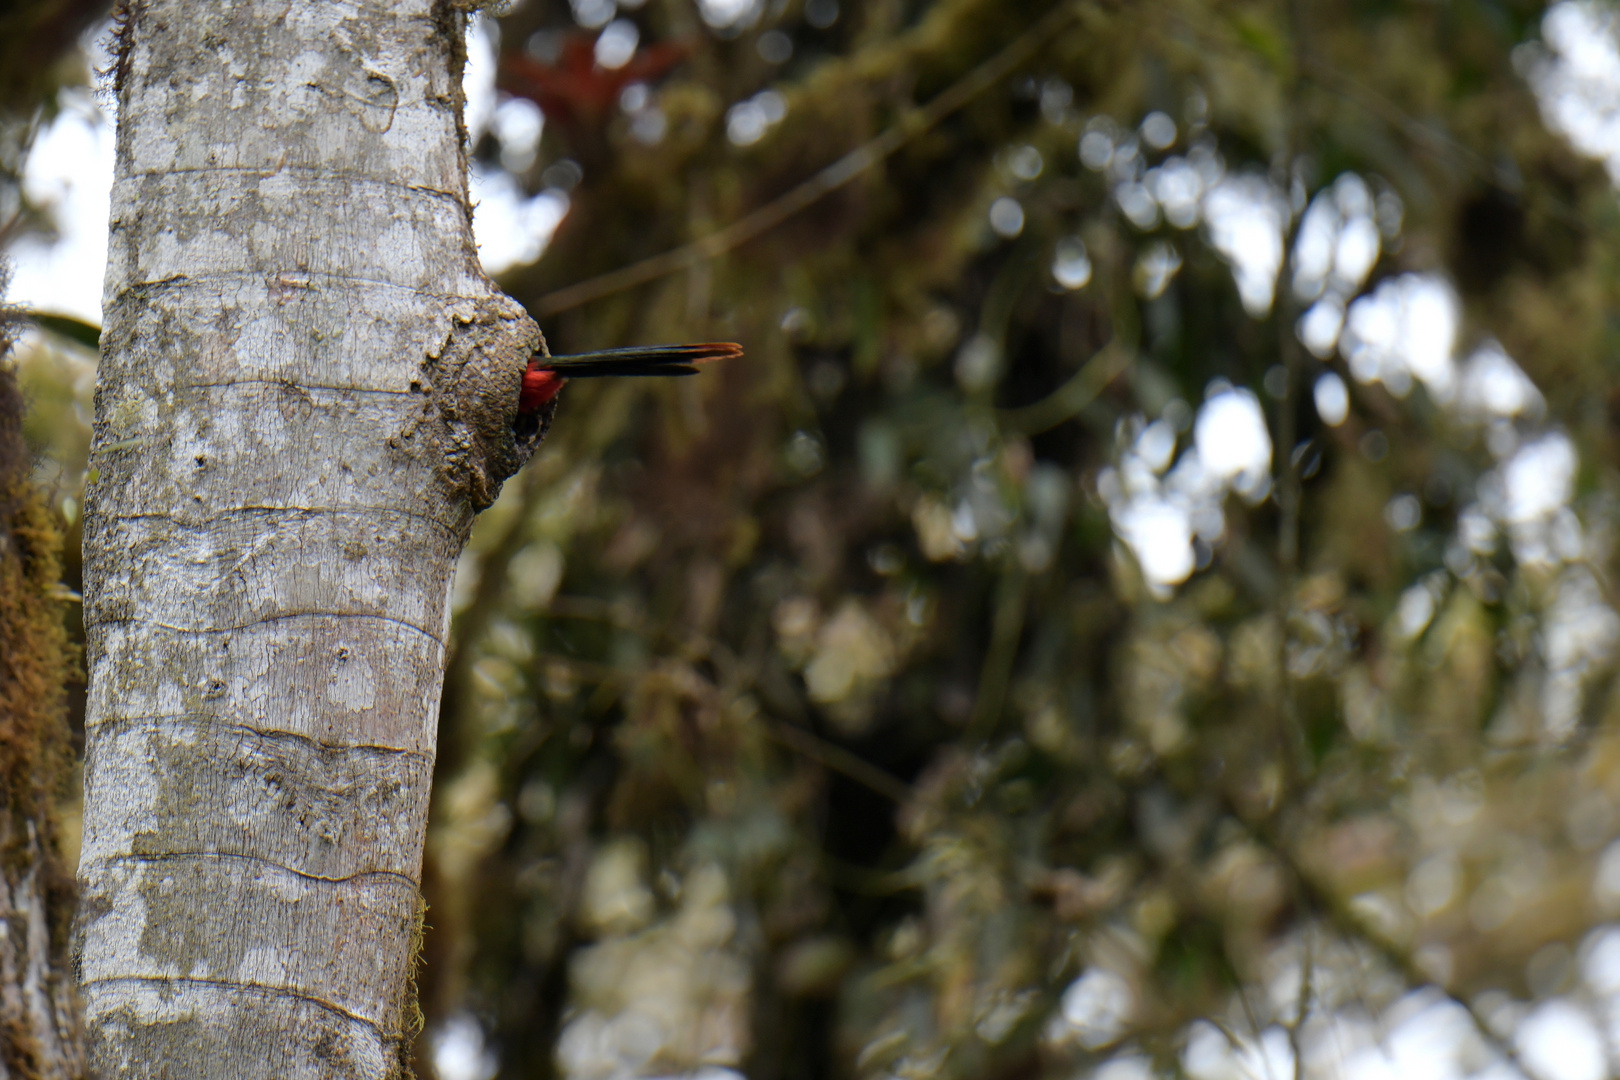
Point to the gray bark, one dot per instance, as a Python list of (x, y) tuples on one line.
[(307, 392)]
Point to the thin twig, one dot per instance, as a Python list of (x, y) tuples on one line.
[(1006, 627), (1303, 1008), (828, 180), (1105, 365), (839, 760), (1296, 755), (1258, 1039), (1352, 924), (1288, 479), (1094, 376)]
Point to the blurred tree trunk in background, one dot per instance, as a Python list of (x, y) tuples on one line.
[(40, 1034), (307, 392), (39, 1016)]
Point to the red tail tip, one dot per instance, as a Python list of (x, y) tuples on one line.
[(715, 350)]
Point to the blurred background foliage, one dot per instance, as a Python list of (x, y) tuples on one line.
[(1142, 607)]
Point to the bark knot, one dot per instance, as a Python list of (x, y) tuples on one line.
[(471, 381)]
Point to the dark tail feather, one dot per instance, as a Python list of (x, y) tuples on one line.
[(640, 360)]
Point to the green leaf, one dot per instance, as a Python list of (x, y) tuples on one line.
[(66, 326)]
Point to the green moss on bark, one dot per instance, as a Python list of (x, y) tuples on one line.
[(37, 662)]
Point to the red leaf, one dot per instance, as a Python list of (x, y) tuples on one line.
[(576, 91)]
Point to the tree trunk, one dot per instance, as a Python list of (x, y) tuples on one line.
[(307, 392), (39, 1032)]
